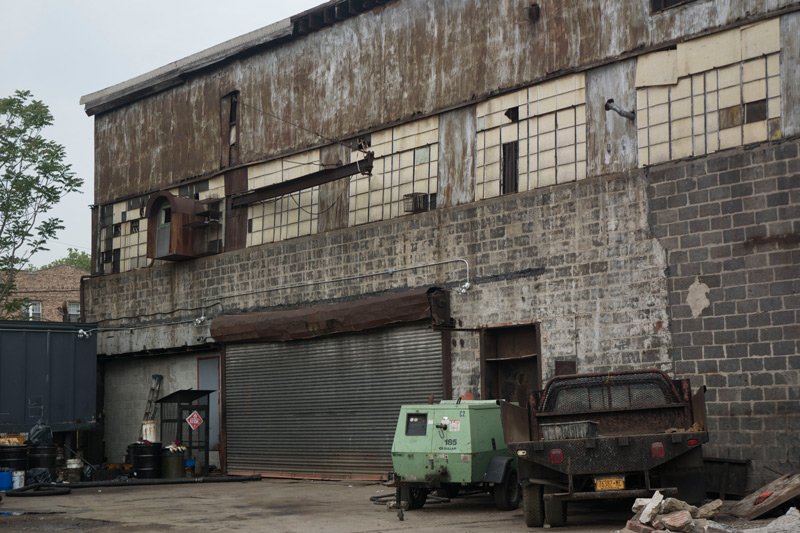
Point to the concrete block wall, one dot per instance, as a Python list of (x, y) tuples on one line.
[(127, 386), (730, 224)]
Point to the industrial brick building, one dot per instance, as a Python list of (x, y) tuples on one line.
[(53, 294), (379, 200)]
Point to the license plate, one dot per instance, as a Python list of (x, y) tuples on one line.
[(609, 483)]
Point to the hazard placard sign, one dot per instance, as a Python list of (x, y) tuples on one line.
[(194, 420)]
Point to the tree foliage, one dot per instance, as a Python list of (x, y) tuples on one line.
[(33, 178), (74, 258)]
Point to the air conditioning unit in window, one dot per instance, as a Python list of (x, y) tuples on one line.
[(416, 202)]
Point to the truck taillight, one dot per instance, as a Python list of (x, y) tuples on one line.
[(556, 456), (692, 442), (657, 449)]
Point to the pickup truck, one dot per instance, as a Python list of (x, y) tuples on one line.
[(598, 436)]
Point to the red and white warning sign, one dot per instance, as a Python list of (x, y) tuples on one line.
[(194, 420)]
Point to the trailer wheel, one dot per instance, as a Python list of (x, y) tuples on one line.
[(415, 496), (533, 505), (555, 511), (507, 494)]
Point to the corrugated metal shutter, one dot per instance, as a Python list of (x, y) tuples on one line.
[(326, 406)]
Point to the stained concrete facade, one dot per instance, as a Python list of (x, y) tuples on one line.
[(682, 261)]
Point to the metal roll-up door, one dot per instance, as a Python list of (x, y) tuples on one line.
[(326, 407)]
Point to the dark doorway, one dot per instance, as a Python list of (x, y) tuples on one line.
[(510, 362)]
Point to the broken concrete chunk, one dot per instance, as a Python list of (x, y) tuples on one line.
[(640, 504), (709, 510), (677, 521), (788, 523), (701, 525), (636, 527), (672, 505), (652, 509)]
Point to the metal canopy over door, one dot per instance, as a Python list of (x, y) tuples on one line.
[(326, 407)]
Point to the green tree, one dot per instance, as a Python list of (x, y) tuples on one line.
[(74, 258), (33, 178)]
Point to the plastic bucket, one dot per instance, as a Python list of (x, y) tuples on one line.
[(18, 479), (6, 481), (146, 460), (188, 468), (14, 457)]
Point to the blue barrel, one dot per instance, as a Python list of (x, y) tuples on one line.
[(6, 481)]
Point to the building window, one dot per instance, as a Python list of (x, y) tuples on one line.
[(661, 5), (510, 181), (32, 311), (73, 311)]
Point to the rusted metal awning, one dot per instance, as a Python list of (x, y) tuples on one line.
[(305, 323)]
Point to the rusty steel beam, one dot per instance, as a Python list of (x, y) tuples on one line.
[(305, 182)]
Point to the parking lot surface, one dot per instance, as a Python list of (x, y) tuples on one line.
[(272, 505)]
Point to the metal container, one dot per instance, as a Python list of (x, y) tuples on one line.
[(14, 457), (146, 460), (172, 465), (582, 429), (73, 471), (43, 456)]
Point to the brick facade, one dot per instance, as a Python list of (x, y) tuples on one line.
[(55, 288), (729, 224)]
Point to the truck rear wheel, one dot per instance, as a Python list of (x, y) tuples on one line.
[(507, 494), (415, 496), (533, 505), (555, 511)]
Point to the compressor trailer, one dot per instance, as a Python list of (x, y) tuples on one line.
[(601, 436)]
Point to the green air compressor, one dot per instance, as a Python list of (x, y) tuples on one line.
[(451, 446)]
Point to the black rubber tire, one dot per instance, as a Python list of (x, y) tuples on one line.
[(38, 489), (555, 511), (533, 505), (415, 496), (508, 493)]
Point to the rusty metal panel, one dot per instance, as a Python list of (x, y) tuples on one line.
[(370, 77), (235, 219), (790, 74), (334, 197), (457, 144), (306, 323), (515, 422), (611, 139)]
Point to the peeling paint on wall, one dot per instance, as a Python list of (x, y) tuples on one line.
[(697, 299)]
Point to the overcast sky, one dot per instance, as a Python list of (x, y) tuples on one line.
[(61, 50)]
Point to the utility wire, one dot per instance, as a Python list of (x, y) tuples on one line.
[(298, 126)]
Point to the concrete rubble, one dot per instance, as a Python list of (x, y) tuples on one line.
[(670, 514)]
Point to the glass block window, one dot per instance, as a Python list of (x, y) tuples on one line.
[(288, 216), (548, 122), (721, 108), (406, 166)]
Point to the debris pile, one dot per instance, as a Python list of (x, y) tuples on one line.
[(670, 514)]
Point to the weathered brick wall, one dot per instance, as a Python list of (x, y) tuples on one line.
[(577, 258), (54, 287), (730, 224), (127, 385)]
